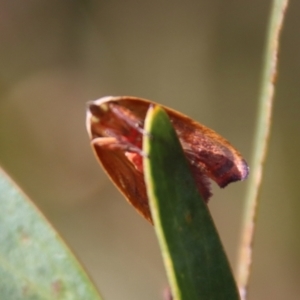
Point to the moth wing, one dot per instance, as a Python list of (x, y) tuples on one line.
[(125, 177), (206, 150), (209, 155), (210, 152)]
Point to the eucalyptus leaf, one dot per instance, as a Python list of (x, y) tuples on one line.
[(34, 261)]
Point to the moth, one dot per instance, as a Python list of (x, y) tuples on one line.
[(115, 127)]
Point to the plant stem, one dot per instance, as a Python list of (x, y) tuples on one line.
[(260, 142)]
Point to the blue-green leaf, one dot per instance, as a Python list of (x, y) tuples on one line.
[(34, 262)]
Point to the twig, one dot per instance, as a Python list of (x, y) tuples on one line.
[(260, 143)]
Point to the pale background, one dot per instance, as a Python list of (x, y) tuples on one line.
[(200, 57)]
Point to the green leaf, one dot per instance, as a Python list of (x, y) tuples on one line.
[(193, 255), (34, 262)]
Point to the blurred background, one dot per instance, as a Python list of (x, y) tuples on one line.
[(202, 58)]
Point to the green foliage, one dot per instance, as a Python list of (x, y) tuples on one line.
[(193, 255), (34, 262)]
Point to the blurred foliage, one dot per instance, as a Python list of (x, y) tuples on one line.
[(34, 262)]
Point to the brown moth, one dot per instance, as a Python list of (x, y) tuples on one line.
[(115, 126)]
